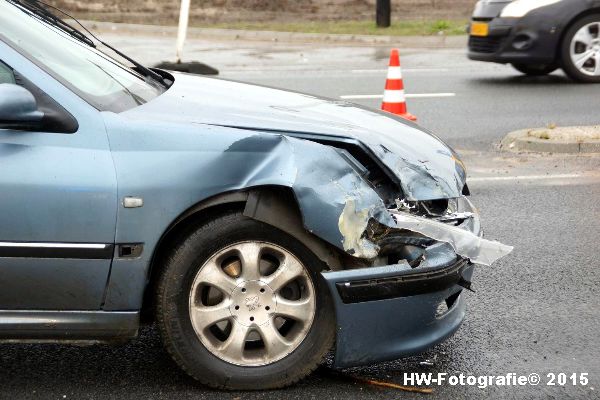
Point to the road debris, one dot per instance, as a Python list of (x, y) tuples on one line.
[(429, 362), (392, 385)]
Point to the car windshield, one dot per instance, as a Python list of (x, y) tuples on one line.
[(97, 78)]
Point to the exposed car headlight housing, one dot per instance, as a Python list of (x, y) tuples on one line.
[(520, 8)]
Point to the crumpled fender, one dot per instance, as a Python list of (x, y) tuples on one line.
[(337, 203), (322, 181), (175, 166)]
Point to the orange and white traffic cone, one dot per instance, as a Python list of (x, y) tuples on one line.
[(394, 100)]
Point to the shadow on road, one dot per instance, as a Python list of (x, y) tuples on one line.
[(142, 369), (548, 80)]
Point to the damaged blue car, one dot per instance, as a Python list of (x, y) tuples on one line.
[(258, 228)]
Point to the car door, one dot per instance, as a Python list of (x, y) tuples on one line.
[(57, 200)]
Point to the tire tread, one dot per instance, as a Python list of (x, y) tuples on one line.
[(165, 319)]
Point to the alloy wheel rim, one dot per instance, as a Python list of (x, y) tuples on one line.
[(252, 303), (585, 49)]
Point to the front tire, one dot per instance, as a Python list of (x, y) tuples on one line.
[(241, 305), (580, 50), (534, 69)]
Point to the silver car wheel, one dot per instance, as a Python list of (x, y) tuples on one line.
[(252, 303), (585, 49)]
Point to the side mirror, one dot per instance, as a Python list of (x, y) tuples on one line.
[(18, 109)]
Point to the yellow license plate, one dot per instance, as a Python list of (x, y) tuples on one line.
[(479, 29)]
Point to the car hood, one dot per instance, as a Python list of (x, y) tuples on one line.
[(425, 167)]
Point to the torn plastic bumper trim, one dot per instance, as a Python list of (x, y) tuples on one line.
[(464, 243), (465, 239), (394, 327), (401, 285)]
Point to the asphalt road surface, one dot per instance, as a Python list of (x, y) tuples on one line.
[(535, 311)]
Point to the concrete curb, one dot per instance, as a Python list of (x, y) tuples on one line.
[(522, 140), (437, 41)]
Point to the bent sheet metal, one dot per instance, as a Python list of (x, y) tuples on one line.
[(353, 223)]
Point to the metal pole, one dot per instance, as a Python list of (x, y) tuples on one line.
[(184, 14), (384, 13)]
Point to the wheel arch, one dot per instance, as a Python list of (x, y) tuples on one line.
[(584, 13), (272, 205)]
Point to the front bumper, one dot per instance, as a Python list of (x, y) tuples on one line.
[(385, 313), (532, 39)]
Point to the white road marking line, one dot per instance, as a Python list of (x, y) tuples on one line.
[(408, 96), (427, 95), (380, 71), (522, 177)]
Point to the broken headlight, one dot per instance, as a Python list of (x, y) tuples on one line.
[(443, 210), (439, 208)]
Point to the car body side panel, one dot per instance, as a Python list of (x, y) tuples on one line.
[(59, 326), (174, 175), (55, 188), (61, 178)]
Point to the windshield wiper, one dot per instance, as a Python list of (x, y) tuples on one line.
[(40, 9), (135, 97)]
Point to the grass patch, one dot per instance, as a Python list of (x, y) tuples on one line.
[(398, 28)]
